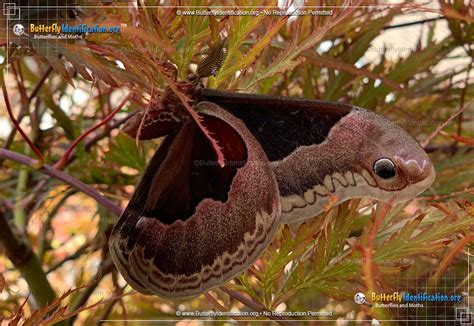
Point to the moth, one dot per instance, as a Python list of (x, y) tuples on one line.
[(193, 224)]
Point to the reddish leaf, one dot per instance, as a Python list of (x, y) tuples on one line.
[(198, 120), (458, 138)]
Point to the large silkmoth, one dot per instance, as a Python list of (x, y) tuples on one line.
[(193, 224)]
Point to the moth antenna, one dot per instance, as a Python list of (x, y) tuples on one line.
[(213, 59)]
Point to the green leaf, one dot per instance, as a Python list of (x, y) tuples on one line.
[(61, 117), (125, 152)]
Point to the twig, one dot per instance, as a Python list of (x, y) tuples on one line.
[(98, 303), (20, 81), (21, 188), (64, 177), (440, 127), (448, 148), (79, 252), (40, 83), (24, 108), (15, 122), (25, 261), (38, 189), (370, 271), (108, 308), (42, 238), (99, 136), (214, 301), (413, 23), (62, 162), (105, 268)]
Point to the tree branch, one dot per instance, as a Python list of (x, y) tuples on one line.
[(64, 177), (38, 189), (15, 122), (99, 136), (64, 159), (26, 261)]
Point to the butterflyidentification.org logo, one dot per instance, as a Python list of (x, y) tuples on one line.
[(411, 300), (66, 31)]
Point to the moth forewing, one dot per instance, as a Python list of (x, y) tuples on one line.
[(171, 180), (229, 215), (325, 152)]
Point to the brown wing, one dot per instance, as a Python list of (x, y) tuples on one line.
[(192, 225)]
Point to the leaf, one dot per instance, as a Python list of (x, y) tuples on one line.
[(75, 59), (448, 259), (409, 241), (252, 54), (341, 65), (146, 36), (132, 74), (458, 138), (454, 174), (52, 57), (126, 153), (63, 120), (56, 311), (291, 248), (405, 69), (99, 67), (290, 57), (217, 148), (354, 52), (331, 241)]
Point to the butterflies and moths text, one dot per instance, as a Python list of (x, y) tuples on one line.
[(254, 314)]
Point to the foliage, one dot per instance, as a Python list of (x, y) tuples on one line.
[(360, 246)]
